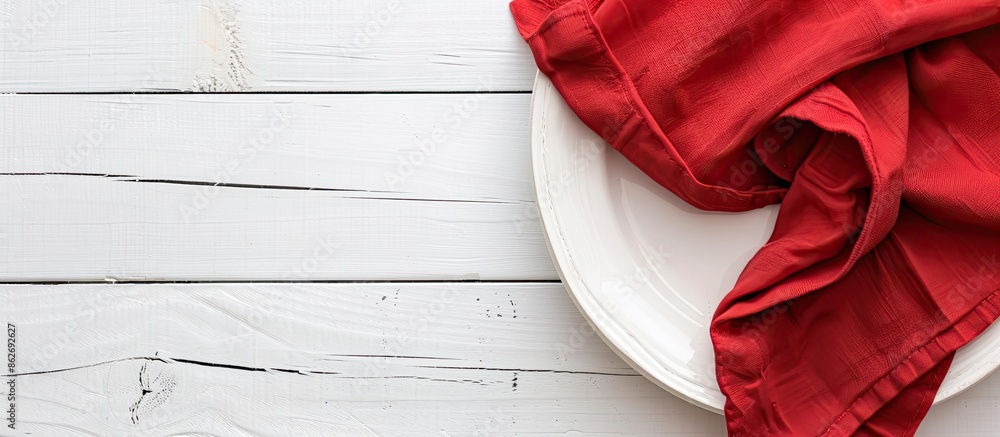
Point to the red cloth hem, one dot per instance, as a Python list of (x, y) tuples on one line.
[(921, 361), (595, 69)]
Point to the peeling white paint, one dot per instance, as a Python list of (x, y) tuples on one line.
[(223, 36)]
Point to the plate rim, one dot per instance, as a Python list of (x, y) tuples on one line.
[(571, 283), (616, 337)]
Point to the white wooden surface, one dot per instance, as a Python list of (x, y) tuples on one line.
[(313, 187), (357, 359), (298, 224), (234, 45)]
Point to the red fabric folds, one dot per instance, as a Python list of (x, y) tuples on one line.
[(875, 124)]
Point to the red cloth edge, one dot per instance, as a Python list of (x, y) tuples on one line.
[(917, 364), (565, 22)]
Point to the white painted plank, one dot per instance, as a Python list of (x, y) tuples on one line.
[(232, 45), (454, 147), (315, 187), (75, 228), (325, 359)]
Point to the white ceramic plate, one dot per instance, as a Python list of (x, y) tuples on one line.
[(647, 269)]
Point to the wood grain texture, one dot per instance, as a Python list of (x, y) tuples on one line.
[(325, 359), (232, 45), (450, 359), (253, 187)]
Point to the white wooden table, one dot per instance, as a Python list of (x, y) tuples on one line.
[(269, 218)]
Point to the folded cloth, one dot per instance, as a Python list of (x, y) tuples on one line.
[(876, 124)]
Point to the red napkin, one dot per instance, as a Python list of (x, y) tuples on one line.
[(876, 124)]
